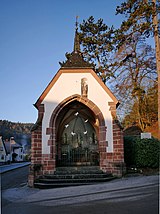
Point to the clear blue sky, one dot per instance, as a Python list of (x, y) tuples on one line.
[(34, 37)]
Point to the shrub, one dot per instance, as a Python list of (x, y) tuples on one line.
[(141, 152), (147, 153)]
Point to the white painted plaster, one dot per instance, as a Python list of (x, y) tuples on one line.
[(69, 84)]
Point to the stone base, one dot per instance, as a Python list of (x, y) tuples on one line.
[(31, 180)]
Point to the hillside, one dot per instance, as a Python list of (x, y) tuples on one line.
[(20, 131)]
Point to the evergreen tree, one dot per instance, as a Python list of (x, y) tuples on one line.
[(96, 39)]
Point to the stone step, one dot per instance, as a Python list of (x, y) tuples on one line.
[(73, 176), (77, 180), (57, 185), (46, 182), (76, 176), (49, 183), (78, 170)]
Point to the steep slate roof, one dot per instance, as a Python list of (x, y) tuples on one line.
[(7, 147), (2, 144), (76, 60), (10, 147)]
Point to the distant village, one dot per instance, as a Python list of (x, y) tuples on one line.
[(15, 141), (11, 152)]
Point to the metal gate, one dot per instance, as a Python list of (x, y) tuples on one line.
[(78, 144)]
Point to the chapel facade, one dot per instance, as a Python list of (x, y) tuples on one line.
[(76, 123)]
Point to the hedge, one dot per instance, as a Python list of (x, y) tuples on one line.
[(141, 152)]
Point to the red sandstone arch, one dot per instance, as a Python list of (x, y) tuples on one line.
[(93, 107), (97, 114), (109, 162)]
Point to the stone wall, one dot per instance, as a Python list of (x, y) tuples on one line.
[(46, 163)]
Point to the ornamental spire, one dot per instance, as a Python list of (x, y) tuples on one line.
[(75, 59), (76, 39)]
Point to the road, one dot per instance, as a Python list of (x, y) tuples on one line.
[(12, 179), (122, 196)]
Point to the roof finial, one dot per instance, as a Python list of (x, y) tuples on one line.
[(77, 22), (76, 39)]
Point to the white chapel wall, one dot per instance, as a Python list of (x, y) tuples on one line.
[(69, 84)]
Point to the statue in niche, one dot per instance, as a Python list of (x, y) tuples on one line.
[(84, 87)]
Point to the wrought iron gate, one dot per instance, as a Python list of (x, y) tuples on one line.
[(78, 144)]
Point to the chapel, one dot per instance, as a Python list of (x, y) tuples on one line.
[(77, 125)]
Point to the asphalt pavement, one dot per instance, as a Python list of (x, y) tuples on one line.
[(78, 194), (129, 194)]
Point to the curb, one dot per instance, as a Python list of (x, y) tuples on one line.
[(4, 169)]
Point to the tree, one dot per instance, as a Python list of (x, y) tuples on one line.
[(134, 72), (130, 70), (141, 16), (146, 115), (96, 39)]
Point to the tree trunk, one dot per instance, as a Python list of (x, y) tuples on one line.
[(157, 48)]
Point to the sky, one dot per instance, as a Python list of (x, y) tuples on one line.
[(34, 37)]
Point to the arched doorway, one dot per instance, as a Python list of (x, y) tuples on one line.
[(76, 136)]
